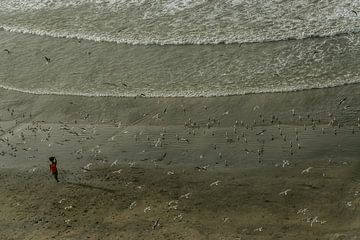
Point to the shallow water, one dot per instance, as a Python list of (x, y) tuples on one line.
[(152, 48)]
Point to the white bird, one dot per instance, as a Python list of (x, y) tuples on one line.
[(285, 193), (112, 138), (132, 205), (306, 170), (216, 183), (147, 209), (226, 219), (156, 116), (316, 220), (158, 143), (174, 207), (204, 168), (302, 211), (285, 163), (114, 163), (118, 171), (185, 140), (178, 217), (172, 202), (87, 167), (186, 195)]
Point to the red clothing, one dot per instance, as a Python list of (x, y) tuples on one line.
[(53, 168)]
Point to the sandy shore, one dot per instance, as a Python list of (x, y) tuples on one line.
[(264, 166)]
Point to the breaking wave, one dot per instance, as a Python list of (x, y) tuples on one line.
[(104, 37)]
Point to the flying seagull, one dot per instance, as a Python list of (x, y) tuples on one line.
[(342, 100), (47, 59)]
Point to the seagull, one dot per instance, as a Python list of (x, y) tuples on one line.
[(285, 193), (185, 140), (261, 132), (186, 195), (226, 219), (303, 211), (158, 143), (7, 50), (178, 217), (112, 138), (162, 157), (204, 168), (260, 229), (132, 205), (306, 170), (285, 163), (147, 209), (156, 224), (173, 202), (314, 221), (156, 116), (216, 183), (87, 167), (47, 59), (354, 12), (342, 100)]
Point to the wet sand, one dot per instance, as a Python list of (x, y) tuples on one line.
[(264, 166)]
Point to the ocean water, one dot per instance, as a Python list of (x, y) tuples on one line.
[(170, 48)]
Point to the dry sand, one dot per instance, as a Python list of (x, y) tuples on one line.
[(264, 166)]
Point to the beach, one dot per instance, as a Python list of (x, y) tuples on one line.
[(180, 119), (257, 166)]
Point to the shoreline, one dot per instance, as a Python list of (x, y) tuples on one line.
[(176, 97)]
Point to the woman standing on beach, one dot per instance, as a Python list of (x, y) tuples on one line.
[(53, 167)]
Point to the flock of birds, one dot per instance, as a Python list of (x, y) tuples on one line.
[(239, 132)]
